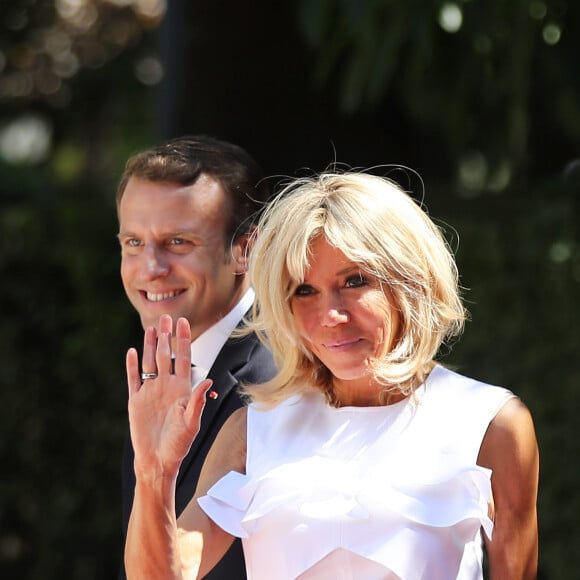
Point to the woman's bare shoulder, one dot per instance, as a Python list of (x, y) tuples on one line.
[(510, 432), (227, 453), (510, 450)]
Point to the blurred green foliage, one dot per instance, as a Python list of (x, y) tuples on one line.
[(520, 260), (488, 75), (64, 331), (489, 114)]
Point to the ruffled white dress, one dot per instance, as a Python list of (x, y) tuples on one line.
[(364, 493)]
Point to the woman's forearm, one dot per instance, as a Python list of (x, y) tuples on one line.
[(152, 548)]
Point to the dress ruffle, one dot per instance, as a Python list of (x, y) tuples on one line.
[(377, 513)]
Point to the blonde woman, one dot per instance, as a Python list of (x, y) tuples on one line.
[(363, 457)]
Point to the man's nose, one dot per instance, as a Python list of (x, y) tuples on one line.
[(155, 262)]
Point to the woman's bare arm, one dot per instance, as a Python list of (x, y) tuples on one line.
[(164, 417), (197, 531), (510, 450)]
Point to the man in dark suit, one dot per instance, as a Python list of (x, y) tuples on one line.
[(186, 212)]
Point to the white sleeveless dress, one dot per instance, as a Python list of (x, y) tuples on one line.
[(364, 493)]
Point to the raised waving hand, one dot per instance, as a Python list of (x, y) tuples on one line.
[(164, 412)]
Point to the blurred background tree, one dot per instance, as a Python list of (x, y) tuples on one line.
[(481, 97)]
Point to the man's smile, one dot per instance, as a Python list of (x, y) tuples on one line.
[(160, 296)]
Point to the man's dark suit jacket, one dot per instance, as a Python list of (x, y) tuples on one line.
[(241, 361)]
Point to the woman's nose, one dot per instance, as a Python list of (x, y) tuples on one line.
[(333, 312)]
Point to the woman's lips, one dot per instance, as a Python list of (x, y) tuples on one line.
[(343, 344)]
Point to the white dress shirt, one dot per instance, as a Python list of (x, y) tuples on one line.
[(206, 347)]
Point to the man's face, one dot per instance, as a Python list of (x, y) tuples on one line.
[(173, 252)]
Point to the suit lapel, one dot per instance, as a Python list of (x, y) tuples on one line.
[(233, 356)]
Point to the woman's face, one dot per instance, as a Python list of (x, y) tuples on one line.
[(343, 315)]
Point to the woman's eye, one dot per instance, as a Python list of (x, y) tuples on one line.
[(356, 281), (303, 290)]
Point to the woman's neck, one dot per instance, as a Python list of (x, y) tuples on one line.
[(346, 394)]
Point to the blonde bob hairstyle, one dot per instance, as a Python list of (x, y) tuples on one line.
[(378, 226)]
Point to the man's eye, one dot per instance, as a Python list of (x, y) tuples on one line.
[(177, 241), (303, 290), (356, 281), (133, 242)]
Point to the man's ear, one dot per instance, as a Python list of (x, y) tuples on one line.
[(241, 249)]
